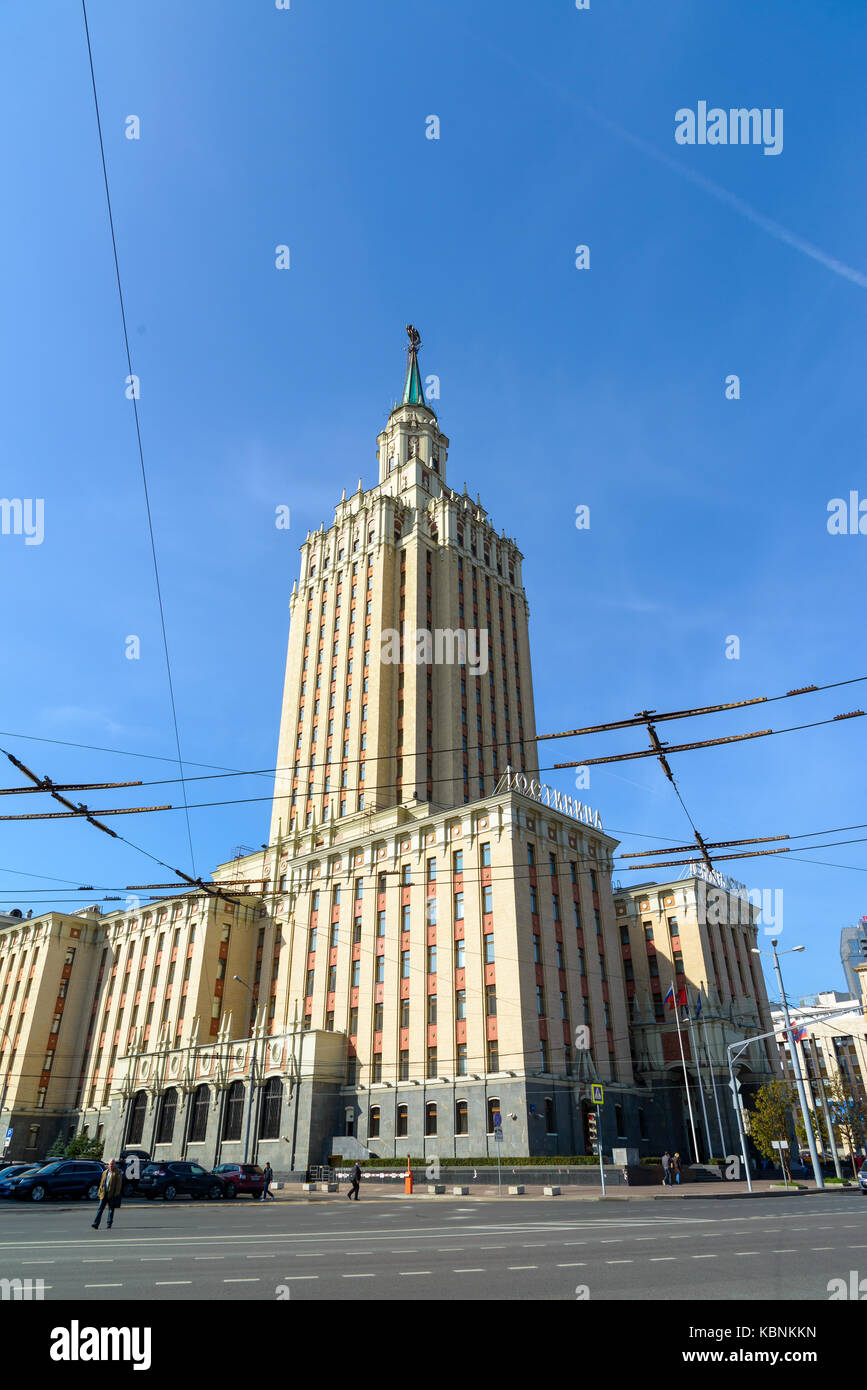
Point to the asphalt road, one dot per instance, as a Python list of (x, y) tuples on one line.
[(520, 1248)]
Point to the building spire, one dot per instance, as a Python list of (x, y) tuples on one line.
[(413, 392)]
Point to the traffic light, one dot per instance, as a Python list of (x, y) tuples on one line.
[(591, 1127)]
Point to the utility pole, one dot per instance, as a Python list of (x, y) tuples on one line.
[(713, 1083), (697, 1055), (824, 1099), (799, 1080)]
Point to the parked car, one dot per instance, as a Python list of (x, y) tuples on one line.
[(176, 1179), (241, 1177), (62, 1178), (130, 1184), (862, 1179), (15, 1170)]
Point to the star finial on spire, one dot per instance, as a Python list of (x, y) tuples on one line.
[(413, 392)]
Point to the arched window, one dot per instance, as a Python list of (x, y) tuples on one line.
[(462, 1119), (233, 1115), (550, 1122), (493, 1109), (430, 1120), (137, 1113), (272, 1105), (168, 1111), (199, 1121), (373, 1125), (402, 1121)]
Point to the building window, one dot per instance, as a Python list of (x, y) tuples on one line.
[(402, 1126), (487, 898), (199, 1124), (431, 1063), (489, 948), (462, 1059), (618, 1120), (431, 960), (404, 965), (486, 856), (373, 1125), (493, 1109), (459, 907), (272, 1104), (493, 1056), (138, 1110), (403, 1064), (550, 1123), (233, 1118), (458, 861), (491, 1001), (166, 1123), (462, 1118), (430, 1121)]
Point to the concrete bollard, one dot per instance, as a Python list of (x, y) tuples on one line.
[(460, 1192), (436, 1189), (551, 1191), (308, 1187), (516, 1191), (328, 1187)]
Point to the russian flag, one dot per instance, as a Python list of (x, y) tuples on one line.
[(799, 1032), (668, 1001)]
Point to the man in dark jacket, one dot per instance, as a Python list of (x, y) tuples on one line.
[(110, 1193), (666, 1169), (356, 1180)]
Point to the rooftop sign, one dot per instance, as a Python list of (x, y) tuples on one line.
[(549, 796)]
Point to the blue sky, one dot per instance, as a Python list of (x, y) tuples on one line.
[(560, 387)]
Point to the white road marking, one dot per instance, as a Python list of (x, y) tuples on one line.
[(522, 1266), (161, 1282), (784, 1252), (242, 1281), (103, 1286), (406, 1273), (619, 1262), (468, 1271), (704, 1257), (656, 1259), (572, 1264), (306, 1276)]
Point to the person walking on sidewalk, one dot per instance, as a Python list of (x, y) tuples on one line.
[(355, 1180), (110, 1193), (666, 1169), (675, 1167), (268, 1174)]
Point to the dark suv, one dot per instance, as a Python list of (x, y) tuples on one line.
[(64, 1178), (241, 1177), (171, 1180)]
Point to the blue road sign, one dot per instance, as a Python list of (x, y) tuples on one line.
[(498, 1119)]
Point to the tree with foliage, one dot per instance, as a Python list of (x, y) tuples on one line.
[(82, 1146), (847, 1116), (818, 1126), (58, 1148), (769, 1121)]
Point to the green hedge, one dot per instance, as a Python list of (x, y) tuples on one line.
[(539, 1161)]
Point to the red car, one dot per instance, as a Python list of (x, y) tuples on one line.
[(241, 1177)]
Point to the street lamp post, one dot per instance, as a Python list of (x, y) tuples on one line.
[(799, 1080)]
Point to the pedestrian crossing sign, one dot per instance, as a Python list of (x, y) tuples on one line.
[(596, 1096)]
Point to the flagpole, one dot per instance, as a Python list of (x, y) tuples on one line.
[(697, 1054), (685, 1074), (713, 1086)]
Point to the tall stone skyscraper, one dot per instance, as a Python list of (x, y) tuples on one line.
[(408, 674)]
